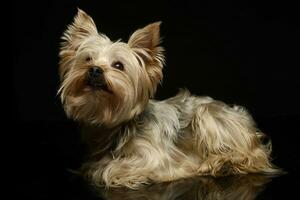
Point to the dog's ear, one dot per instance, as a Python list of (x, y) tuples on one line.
[(145, 43), (147, 37), (82, 27)]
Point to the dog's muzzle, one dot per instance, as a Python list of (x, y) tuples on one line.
[(95, 78)]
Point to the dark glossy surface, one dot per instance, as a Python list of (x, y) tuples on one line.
[(238, 187), (48, 152)]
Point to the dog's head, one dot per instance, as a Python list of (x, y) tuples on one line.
[(105, 82)]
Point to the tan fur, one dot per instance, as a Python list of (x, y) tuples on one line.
[(135, 140)]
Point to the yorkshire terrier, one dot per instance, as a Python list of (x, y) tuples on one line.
[(134, 140)]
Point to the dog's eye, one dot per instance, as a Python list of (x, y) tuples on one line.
[(87, 59), (118, 65)]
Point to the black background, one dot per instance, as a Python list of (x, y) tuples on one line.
[(239, 52)]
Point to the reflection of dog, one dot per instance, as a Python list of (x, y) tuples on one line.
[(245, 187), (108, 86)]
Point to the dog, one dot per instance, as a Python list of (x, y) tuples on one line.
[(133, 139)]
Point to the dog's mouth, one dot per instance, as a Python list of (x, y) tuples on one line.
[(98, 86)]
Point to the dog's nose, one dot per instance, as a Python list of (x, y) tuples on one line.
[(95, 72)]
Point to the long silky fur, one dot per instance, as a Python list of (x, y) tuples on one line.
[(181, 137), (135, 140)]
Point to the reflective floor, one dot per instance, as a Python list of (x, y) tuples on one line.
[(48, 151), (243, 187)]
